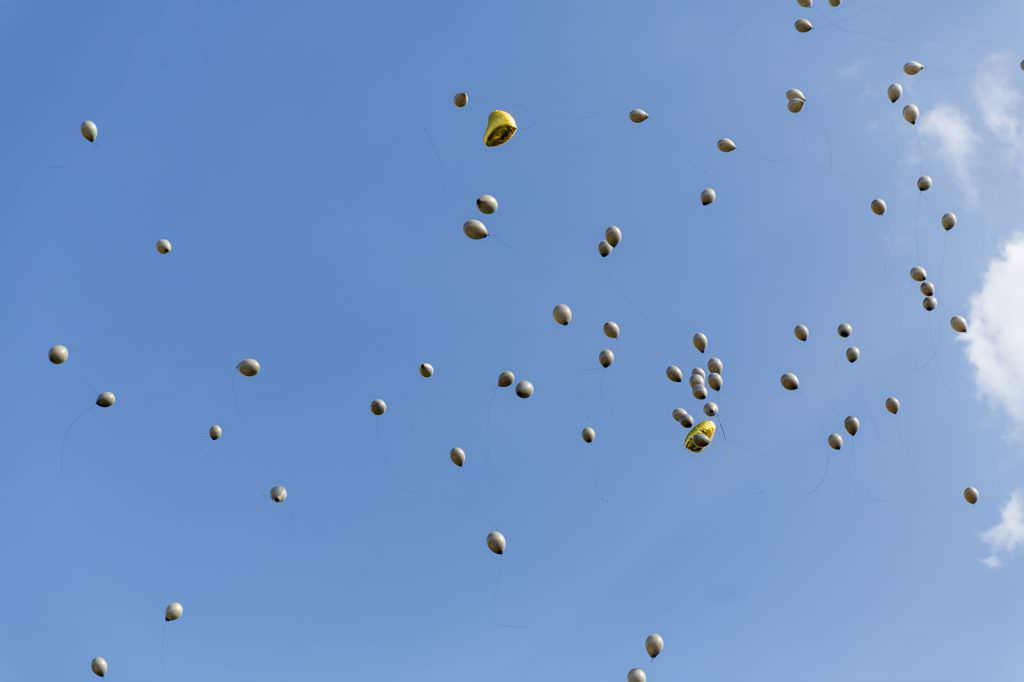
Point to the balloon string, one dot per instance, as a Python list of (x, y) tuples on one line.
[(824, 475), (494, 599), (64, 440), (381, 455)]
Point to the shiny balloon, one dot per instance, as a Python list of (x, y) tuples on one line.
[(611, 330), (707, 196), (216, 432), (613, 235), (378, 407), (278, 494), (700, 342), (606, 358), (894, 92), (426, 370), (173, 612), (562, 314), (726, 145), (930, 303), (638, 115), (911, 113), (852, 425), (918, 274), (506, 379), (790, 381), (89, 131), (948, 221), (835, 441), (524, 389), (458, 456), (878, 206), (924, 183), (496, 542), (852, 354), (249, 367), (674, 373), (801, 332), (844, 330), (654, 643), (58, 355), (958, 324), (589, 435), (892, 405), (106, 399), (474, 229), (486, 204)]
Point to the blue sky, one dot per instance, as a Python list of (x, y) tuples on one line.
[(288, 152)]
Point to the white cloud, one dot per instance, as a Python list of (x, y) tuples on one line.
[(1001, 104), (995, 337), (1004, 537), (955, 141)]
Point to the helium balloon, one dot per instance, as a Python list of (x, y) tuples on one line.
[(562, 314), (924, 183), (474, 229), (707, 196), (790, 382), (699, 371), (852, 425), (805, 3), (948, 221), (606, 358), (700, 392), (486, 204), (674, 373), (927, 288), (378, 407), (801, 332), (426, 370), (910, 113), (654, 643), (700, 341), (706, 431), (913, 68), (845, 329), (918, 274), (715, 381), (958, 324), (802, 26), (99, 664), (852, 354), (163, 246), (500, 128), (930, 303), (715, 365), (894, 92), (611, 330), (795, 106), (461, 99), (524, 389), (794, 93), (58, 355), (506, 379), (971, 495), (174, 611), (458, 456), (835, 441), (496, 542), (248, 367), (106, 399), (696, 380), (878, 206), (638, 115), (613, 235), (726, 145), (89, 131), (892, 405), (216, 432), (604, 248), (278, 494), (678, 413), (636, 675), (686, 421), (589, 435), (835, 3), (711, 409)]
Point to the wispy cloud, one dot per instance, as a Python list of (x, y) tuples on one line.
[(1004, 537), (1001, 103), (954, 139), (850, 70), (996, 332)]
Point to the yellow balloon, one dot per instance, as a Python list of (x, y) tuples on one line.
[(706, 429), (500, 128)]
